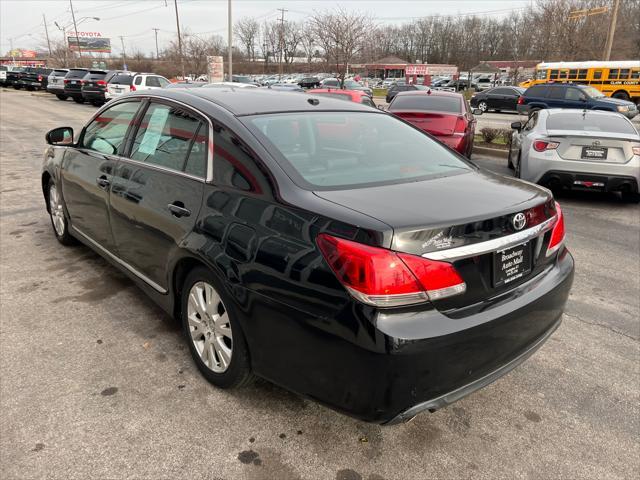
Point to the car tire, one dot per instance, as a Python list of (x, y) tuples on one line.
[(483, 106), (214, 336), (97, 103), (509, 162), (17, 87), (78, 99), (62, 97), (631, 197), (59, 222)]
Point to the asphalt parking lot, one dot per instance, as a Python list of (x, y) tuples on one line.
[(96, 382)]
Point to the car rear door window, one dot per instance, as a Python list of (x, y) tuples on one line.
[(106, 133), (557, 93), (539, 91), (152, 81), (196, 163), (138, 81), (165, 136)]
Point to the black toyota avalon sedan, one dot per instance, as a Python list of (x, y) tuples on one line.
[(326, 246)]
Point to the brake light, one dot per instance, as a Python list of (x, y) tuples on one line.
[(101, 82), (133, 88), (542, 145), (384, 278), (520, 100), (461, 125), (39, 78), (557, 234), (66, 81)]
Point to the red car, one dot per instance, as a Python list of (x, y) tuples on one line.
[(349, 95), (445, 115)]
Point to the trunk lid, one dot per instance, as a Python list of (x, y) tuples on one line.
[(435, 123), (604, 147), (445, 217)]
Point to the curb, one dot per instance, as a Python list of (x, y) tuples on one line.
[(494, 152)]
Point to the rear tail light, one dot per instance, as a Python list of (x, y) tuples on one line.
[(521, 100), (66, 81), (461, 125), (101, 82), (542, 145), (557, 234), (133, 88), (383, 278), (39, 78), (636, 150)]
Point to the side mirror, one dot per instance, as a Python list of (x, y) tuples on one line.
[(477, 111), (516, 126), (583, 98), (60, 136), (381, 107)]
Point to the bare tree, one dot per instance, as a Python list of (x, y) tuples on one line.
[(248, 31), (308, 43), (342, 36)]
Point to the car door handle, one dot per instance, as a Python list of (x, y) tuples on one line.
[(177, 210), (103, 181)]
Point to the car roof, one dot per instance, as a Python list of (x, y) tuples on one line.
[(250, 101), (578, 112), (338, 91)]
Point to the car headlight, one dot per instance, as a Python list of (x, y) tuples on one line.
[(623, 108)]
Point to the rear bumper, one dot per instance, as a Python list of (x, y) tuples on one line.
[(589, 181), (401, 362), (55, 89), (73, 92), (93, 95)]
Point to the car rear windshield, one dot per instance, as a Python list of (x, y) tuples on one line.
[(334, 150), (122, 79), (590, 123), (427, 102), (96, 75), (76, 73), (59, 73)]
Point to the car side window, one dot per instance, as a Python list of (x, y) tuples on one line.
[(165, 136), (196, 163), (138, 81), (531, 123), (573, 94), (152, 81), (367, 101), (557, 93), (163, 82), (106, 133)]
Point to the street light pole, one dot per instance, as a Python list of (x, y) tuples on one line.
[(230, 45), (157, 51), (46, 31), (124, 56), (75, 27)]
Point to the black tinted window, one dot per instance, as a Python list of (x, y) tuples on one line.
[(502, 91), (573, 94), (233, 162), (105, 134), (96, 75), (556, 93), (537, 91), (59, 73), (427, 102), (121, 79), (164, 136), (76, 73), (197, 159), (590, 122)]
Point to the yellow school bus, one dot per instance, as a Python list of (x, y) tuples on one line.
[(618, 79)]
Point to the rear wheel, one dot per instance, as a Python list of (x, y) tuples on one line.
[(61, 96), (622, 95), (78, 99), (215, 339), (97, 103), (509, 162)]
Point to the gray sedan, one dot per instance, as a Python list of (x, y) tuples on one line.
[(582, 149)]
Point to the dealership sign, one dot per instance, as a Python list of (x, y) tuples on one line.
[(90, 42), (215, 69), (434, 69)]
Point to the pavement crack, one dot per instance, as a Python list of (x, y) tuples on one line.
[(606, 327)]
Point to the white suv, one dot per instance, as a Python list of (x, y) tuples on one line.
[(133, 82)]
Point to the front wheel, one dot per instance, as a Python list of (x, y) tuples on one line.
[(78, 99), (215, 339), (56, 213), (483, 106), (509, 162)]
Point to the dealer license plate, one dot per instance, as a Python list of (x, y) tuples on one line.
[(511, 264), (594, 153)]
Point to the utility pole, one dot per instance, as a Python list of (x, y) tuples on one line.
[(230, 52), (157, 51), (75, 27), (612, 31), (124, 56), (175, 3), (46, 31), (281, 42)]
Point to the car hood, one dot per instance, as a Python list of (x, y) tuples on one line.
[(423, 209)]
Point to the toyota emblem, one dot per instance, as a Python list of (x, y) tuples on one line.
[(519, 221)]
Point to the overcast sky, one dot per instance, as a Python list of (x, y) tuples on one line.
[(134, 19)]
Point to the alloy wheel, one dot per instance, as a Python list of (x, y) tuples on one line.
[(483, 106), (55, 208), (210, 327)]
